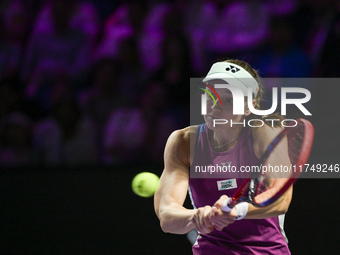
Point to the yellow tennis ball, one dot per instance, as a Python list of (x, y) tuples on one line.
[(144, 184)]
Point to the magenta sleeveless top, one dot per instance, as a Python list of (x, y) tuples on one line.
[(264, 236)]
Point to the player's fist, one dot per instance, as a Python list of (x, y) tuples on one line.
[(219, 218), (201, 220)]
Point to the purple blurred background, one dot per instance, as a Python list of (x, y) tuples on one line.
[(105, 82), (90, 91)]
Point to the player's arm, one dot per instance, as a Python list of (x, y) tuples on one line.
[(173, 186)]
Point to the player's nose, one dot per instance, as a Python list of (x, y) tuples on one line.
[(216, 107)]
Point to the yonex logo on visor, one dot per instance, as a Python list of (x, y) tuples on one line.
[(232, 68)]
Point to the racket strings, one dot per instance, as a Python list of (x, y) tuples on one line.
[(279, 167), (295, 142)]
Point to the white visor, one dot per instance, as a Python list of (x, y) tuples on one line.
[(234, 75)]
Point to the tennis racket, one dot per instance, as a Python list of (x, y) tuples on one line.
[(287, 155)]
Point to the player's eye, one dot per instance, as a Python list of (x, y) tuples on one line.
[(228, 100)]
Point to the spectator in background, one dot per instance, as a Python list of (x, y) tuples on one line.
[(132, 77), (14, 27), (105, 7), (238, 28), (283, 58), (84, 18), (142, 20), (319, 36), (138, 132), (279, 8), (66, 138), (326, 43), (60, 51), (99, 100), (175, 71), (13, 100), (197, 17), (125, 22), (153, 35), (9, 99), (61, 88), (16, 148)]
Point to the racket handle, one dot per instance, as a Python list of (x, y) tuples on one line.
[(226, 206)]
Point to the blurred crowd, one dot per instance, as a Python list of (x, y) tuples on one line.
[(105, 82)]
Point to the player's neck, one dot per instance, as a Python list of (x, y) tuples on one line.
[(225, 140)]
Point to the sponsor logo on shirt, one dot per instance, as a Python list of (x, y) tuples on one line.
[(227, 184)]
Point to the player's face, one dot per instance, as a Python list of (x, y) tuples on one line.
[(221, 111)]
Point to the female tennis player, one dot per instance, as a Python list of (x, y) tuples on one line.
[(246, 229)]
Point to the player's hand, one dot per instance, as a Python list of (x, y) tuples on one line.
[(201, 220), (219, 218)]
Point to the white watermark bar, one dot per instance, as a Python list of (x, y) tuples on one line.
[(285, 100)]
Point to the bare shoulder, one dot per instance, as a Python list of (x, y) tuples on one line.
[(262, 137), (182, 136), (178, 145)]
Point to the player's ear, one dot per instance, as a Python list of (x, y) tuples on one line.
[(247, 112)]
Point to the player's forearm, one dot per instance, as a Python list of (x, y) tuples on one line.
[(262, 213), (176, 219), (279, 207)]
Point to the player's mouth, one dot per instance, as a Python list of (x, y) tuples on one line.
[(212, 117)]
